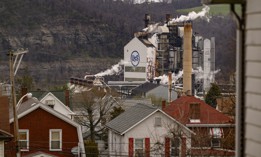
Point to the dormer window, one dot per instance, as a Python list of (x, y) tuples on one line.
[(50, 103), (194, 113)]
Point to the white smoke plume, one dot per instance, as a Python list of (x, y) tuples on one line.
[(115, 70), (152, 28), (193, 15), (199, 75)]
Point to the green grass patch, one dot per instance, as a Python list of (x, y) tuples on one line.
[(221, 9)]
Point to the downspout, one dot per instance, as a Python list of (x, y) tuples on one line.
[(240, 80)]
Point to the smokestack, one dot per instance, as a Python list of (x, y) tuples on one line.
[(187, 58), (147, 20), (168, 18), (170, 85), (67, 97), (4, 112)]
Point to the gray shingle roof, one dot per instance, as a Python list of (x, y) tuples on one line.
[(130, 117)]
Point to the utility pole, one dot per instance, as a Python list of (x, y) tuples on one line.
[(13, 69)]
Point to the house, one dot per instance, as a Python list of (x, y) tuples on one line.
[(215, 132), (155, 91), (4, 123), (144, 130), (58, 100), (45, 132)]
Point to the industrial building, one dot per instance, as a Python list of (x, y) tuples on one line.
[(161, 50), (170, 47)]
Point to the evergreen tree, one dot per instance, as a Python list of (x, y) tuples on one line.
[(212, 95)]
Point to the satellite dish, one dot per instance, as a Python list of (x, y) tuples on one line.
[(75, 150)]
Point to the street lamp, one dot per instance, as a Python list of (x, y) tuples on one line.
[(28, 95), (13, 56)]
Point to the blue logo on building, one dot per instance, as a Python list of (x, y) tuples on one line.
[(135, 58)]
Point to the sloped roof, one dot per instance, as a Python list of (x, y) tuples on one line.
[(58, 94), (130, 117), (145, 87), (146, 42), (6, 136), (179, 109)]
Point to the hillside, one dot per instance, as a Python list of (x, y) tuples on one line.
[(71, 37)]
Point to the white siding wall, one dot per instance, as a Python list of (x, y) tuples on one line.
[(145, 53), (59, 106), (253, 79), (2, 149), (147, 130)]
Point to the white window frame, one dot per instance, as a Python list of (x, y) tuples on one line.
[(139, 148), (173, 147), (216, 134), (50, 139), (27, 139), (50, 102), (158, 122)]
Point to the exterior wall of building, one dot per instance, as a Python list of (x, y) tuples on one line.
[(39, 122), (146, 129), (253, 79), (2, 148), (138, 71)]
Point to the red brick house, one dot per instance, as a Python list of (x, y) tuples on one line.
[(4, 123), (215, 132), (45, 132)]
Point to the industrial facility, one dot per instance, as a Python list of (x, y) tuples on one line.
[(166, 50)]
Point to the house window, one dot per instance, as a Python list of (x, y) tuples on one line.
[(55, 139), (157, 122), (50, 103), (216, 135), (175, 147), (24, 140), (139, 148)]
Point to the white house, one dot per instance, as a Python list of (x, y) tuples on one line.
[(147, 131)]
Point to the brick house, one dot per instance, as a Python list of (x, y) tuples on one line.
[(4, 123), (215, 132), (45, 132), (143, 130)]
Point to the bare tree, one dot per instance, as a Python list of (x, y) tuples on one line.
[(93, 109)]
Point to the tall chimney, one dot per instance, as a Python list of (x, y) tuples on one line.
[(147, 20), (168, 17), (170, 86), (4, 114), (187, 58)]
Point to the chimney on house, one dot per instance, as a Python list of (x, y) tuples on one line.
[(4, 114), (187, 58), (163, 105), (147, 20), (67, 97), (23, 92), (194, 111)]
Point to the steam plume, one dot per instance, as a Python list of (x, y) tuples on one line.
[(193, 15), (115, 70)]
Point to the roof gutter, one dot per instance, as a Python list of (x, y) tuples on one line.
[(211, 125)]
